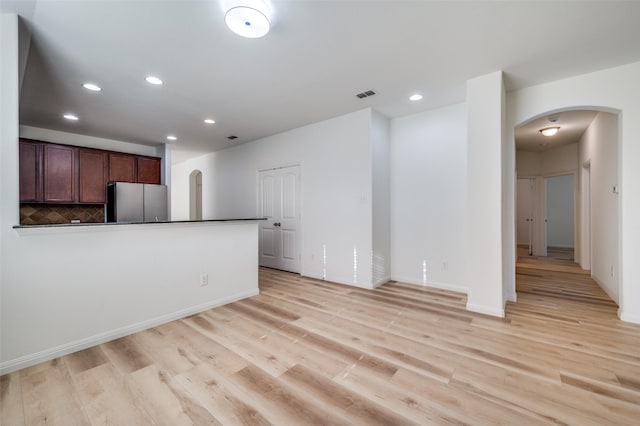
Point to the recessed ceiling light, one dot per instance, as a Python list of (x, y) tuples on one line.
[(247, 21), (549, 131), (209, 121), (415, 97), (71, 117), (172, 138), (153, 80), (92, 87)]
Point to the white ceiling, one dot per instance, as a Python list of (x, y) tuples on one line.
[(572, 126), (318, 55)]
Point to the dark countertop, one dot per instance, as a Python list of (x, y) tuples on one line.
[(62, 225)]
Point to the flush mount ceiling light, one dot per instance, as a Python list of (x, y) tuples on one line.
[(153, 80), (71, 117), (550, 131), (92, 87), (172, 138), (248, 19), (209, 121), (415, 97)]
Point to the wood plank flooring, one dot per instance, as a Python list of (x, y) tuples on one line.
[(309, 352)]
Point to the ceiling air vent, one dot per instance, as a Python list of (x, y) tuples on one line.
[(232, 137), (365, 94)]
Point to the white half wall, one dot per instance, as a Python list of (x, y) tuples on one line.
[(335, 158), (599, 147), (614, 89), (67, 288), (429, 197)]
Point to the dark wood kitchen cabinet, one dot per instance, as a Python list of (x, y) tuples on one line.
[(30, 175), (60, 175), (148, 170), (65, 174), (92, 176), (122, 167)]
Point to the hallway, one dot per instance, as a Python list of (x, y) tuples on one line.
[(561, 285)]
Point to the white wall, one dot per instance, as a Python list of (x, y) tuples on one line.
[(9, 107), (67, 288), (554, 161), (615, 89), (559, 160), (335, 158), (599, 147), (560, 211), (528, 163), (64, 289), (485, 170), (180, 195), (428, 198), (381, 198), (547, 163)]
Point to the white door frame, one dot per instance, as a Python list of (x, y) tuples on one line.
[(585, 223), (530, 220), (299, 248), (576, 210)]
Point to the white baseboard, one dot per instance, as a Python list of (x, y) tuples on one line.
[(433, 284), (629, 317), (381, 281), (78, 345), (487, 310), (347, 281), (513, 297), (604, 288)]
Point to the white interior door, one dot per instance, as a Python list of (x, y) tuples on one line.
[(278, 201), (525, 211)]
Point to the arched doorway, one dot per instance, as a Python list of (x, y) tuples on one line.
[(195, 195), (589, 153)]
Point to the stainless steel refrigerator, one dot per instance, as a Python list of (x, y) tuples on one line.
[(136, 202)]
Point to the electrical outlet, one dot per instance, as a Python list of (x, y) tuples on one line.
[(445, 265), (204, 280)]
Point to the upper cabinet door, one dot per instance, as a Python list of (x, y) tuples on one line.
[(60, 174), (30, 172), (92, 176), (122, 167), (148, 170)]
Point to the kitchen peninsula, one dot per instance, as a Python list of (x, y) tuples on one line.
[(84, 284)]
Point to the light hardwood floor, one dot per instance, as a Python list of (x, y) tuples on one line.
[(307, 352)]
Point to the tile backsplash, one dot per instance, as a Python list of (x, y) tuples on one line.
[(45, 214)]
